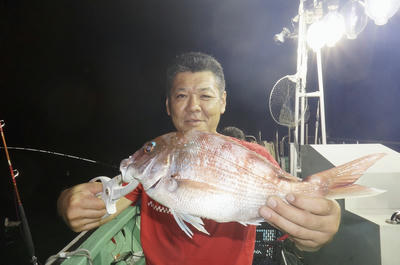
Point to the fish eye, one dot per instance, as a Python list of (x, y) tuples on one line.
[(149, 147)]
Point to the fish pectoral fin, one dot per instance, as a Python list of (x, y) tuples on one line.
[(256, 221), (193, 220)]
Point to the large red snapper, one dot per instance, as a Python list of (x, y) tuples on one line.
[(209, 175)]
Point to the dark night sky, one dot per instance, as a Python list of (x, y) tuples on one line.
[(87, 78)]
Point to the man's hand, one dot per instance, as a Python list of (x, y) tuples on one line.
[(80, 208), (310, 222)]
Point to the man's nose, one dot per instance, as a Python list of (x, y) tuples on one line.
[(194, 103)]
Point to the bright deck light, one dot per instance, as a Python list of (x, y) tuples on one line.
[(381, 10), (355, 18), (316, 35), (334, 28), (327, 31)]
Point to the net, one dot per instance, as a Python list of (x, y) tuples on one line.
[(282, 102)]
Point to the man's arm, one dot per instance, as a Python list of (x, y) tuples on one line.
[(82, 210), (311, 222)]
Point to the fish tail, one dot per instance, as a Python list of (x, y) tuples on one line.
[(338, 182)]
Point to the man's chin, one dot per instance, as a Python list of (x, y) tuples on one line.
[(196, 128)]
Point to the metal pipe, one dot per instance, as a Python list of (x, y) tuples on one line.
[(322, 101)]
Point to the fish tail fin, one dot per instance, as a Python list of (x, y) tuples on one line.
[(354, 191), (337, 182)]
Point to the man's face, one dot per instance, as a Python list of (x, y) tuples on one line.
[(195, 102)]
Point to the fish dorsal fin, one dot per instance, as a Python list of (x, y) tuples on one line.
[(193, 220)]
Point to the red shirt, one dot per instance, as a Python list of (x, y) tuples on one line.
[(164, 243)]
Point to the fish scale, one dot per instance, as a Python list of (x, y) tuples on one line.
[(258, 184), (208, 175)]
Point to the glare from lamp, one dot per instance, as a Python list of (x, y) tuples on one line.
[(355, 18), (381, 10), (334, 27), (316, 35)]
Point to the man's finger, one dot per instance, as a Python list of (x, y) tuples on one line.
[(94, 203), (293, 214), (290, 227), (85, 224), (94, 214), (93, 187), (315, 205)]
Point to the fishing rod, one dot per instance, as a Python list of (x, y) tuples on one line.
[(60, 154), (25, 225)]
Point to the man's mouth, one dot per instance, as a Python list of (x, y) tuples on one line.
[(193, 121)]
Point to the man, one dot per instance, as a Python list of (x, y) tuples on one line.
[(234, 132), (196, 98)]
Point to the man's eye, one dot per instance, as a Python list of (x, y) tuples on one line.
[(180, 96), (206, 96)]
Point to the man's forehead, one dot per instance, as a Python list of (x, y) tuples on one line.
[(198, 89), (199, 81)]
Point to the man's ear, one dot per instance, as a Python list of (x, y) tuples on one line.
[(167, 107), (223, 100)]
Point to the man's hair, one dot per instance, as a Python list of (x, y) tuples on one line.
[(234, 132), (195, 62)]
